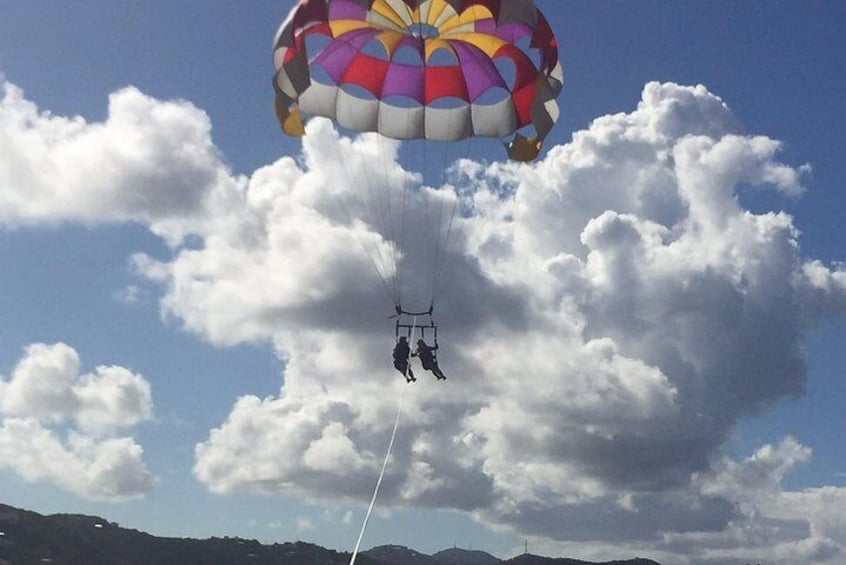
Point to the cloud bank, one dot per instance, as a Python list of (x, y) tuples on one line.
[(62, 426), (612, 312), (150, 161), (608, 315)]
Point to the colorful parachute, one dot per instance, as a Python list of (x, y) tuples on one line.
[(421, 69)]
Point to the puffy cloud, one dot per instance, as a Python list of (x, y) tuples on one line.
[(774, 525), (304, 525), (760, 475), (612, 311), (761, 523), (59, 426), (823, 290), (46, 385), (102, 469), (149, 161)]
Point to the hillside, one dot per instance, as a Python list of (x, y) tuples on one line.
[(29, 538), (536, 560)]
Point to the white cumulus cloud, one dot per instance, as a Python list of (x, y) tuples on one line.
[(611, 312), (61, 426), (148, 161)]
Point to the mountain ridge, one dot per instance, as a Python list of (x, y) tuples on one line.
[(29, 538)]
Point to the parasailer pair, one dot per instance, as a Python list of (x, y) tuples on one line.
[(433, 70), (424, 351)]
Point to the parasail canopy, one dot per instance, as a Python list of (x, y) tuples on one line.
[(441, 70)]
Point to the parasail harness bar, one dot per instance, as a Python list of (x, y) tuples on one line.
[(401, 312), (406, 327)]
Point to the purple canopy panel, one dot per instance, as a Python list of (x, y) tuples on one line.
[(405, 80), (347, 10), (480, 73), (359, 37), (487, 26), (513, 32), (336, 56)]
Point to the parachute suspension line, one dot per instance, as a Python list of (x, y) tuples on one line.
[(436, 250), (370, 256), (375, 257), (395, 219), (374, 254), (375, 184), (427, 177), (445, 223), (378, 208), (404, 198), (441, 259), (396, 242), (383, 201), (385, 462), (436, 254)]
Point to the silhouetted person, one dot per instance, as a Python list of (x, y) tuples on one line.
[(428, 360), (401, 353)]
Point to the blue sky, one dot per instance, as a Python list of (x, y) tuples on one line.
[(106, 282)]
